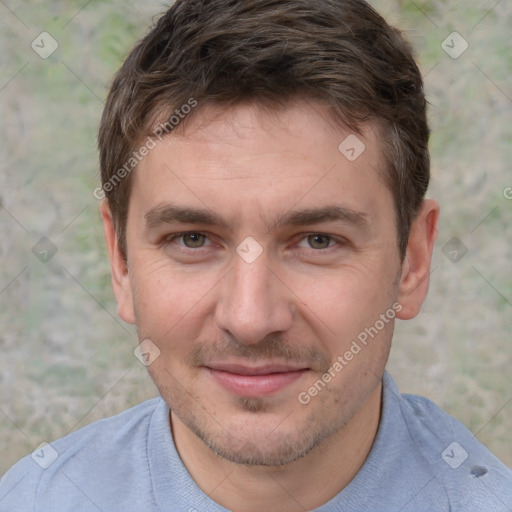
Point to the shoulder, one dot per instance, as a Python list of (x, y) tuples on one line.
[(106, 450), (472, 477)]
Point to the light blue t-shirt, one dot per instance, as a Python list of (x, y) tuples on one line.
[(422, 460)]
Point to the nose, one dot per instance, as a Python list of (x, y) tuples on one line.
[(253, 301)]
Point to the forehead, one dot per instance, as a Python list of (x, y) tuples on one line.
[(247, 157)]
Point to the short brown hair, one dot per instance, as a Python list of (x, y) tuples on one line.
[(341, 52)]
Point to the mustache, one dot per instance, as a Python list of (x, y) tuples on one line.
[(272, 348)]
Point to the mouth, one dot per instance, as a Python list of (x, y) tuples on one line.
[(255, 381)]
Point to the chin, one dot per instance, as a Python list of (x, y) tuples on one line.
[(254, 438)]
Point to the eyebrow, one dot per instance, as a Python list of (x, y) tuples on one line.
[(169, 213), (329, 213)]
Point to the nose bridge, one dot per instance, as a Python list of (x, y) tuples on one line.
[(251, 281), (253, 304)]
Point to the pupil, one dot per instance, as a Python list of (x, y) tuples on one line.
[(318, 239), (194, 238)]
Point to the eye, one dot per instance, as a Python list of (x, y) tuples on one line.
[(191, 239), (319, 241)]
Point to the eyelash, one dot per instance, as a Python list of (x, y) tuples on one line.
[(338, 241)]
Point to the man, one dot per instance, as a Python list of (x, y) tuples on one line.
[(264, 168)]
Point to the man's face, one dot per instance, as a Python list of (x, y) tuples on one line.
[(249, 312)]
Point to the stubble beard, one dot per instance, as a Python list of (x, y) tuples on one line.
[(279, 446)]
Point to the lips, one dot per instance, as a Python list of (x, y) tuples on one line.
[(255, 381)]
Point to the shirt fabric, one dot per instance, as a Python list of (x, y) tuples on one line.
[(422, 460)]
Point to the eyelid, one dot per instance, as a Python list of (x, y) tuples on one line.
[(339, 241), (171, 238)]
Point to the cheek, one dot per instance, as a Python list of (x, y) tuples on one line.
[(346, 312), (347, 296), (164, 296)]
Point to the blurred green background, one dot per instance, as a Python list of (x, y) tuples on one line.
[(67, 360)]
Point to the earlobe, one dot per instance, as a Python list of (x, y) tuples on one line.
[(415, 276), (118, 266)]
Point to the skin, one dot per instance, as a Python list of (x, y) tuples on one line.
[(302, 301)]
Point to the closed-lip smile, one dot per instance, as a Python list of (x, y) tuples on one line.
[(255, 381)]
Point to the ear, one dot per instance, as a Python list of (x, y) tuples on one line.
[(118, 267), (415, 276)]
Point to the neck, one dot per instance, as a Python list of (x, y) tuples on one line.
[(288, 488)]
